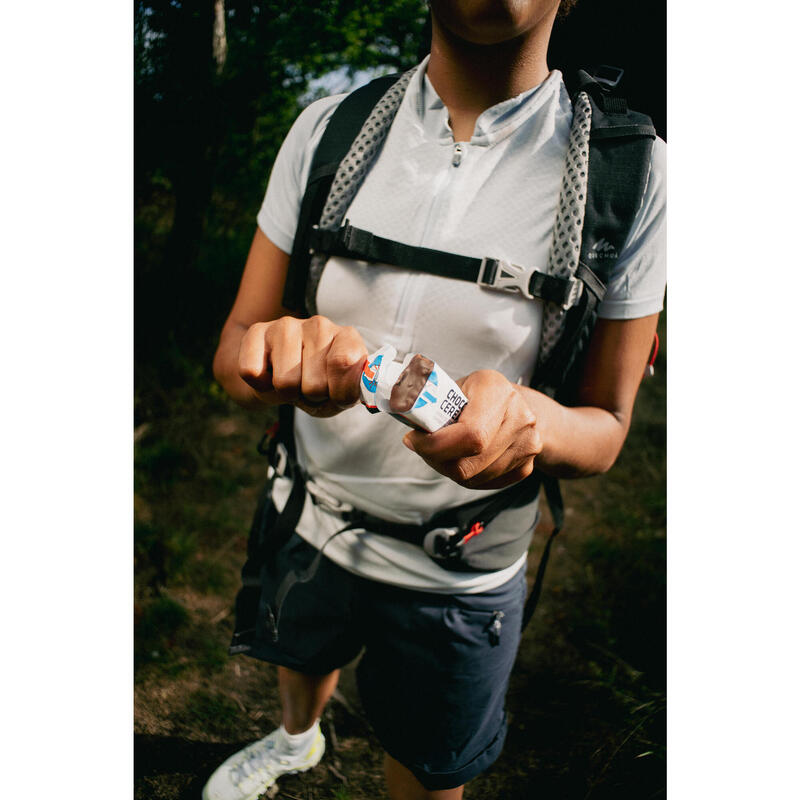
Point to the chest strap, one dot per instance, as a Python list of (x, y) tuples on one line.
[(491, 273)]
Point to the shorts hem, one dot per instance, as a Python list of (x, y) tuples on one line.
[(282, 660), (438, 781)]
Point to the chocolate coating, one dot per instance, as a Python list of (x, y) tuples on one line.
[(410, 383)]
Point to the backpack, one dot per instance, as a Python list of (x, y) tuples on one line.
[(619, 148)]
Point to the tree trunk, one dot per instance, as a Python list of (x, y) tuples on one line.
[(220, 42)]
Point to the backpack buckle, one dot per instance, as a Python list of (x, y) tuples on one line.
[(495, 273), (327, 501), (447, 542), (564, 292), (439, 542), (280, 462), (574, 293)]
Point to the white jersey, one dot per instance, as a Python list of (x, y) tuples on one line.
[(494, 196)]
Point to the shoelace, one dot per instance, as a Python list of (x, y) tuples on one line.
[(255, 761)]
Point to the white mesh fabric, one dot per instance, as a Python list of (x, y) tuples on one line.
[(566, 247), (351, 173)]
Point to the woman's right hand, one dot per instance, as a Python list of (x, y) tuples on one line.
[(312, 363)]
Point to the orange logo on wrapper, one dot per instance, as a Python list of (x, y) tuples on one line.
[(369, 376)]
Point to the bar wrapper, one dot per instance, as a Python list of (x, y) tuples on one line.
[(416, 391)]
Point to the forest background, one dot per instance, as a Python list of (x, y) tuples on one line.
[(217, 85)]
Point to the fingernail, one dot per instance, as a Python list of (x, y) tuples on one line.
[(407, 442)]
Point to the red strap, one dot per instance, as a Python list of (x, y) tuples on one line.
[(473, 531), (654, 351), (650, 368)]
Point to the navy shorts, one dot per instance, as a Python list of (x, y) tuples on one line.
[(435, 669)]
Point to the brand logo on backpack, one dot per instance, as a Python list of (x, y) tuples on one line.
[(603, 250)]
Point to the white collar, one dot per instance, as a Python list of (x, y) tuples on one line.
[(494, 124)]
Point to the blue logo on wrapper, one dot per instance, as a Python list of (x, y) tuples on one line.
[(423, 400), (370, 375)]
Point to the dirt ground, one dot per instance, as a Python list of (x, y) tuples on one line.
[(587, 708)]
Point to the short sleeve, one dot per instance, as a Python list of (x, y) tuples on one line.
[(637, 282), (278, 215)]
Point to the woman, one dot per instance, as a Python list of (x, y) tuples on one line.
[(473, 165)]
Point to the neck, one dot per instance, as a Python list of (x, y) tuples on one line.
[(470, 77)]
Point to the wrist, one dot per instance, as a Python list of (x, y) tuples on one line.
[(549, 419)]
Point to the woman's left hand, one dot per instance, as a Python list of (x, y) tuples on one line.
[(494, 441)]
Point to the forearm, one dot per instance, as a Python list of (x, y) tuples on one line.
[(577, 442)]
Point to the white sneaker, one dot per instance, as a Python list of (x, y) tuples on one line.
[(250, 772)]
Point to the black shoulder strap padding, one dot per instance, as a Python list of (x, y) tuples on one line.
[(550, 376), (620, 148), (286, 428), (343, 127)]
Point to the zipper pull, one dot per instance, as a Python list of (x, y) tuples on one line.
[(458, 151), (495, 626)]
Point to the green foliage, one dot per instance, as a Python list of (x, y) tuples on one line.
[(204, 649), (170, 639), (626, 582), (157, 628), (205, 142), (164, 463), (163, 550), (211, 712), (207, 575), (174, 379)]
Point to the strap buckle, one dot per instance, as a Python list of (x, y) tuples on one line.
[(446, 542), (574, 293), (331, 241), (327, 501), (439, 543), (281, 461), (345, 234), (564, 292), (495, 273)]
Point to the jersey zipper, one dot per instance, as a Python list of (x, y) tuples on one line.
[(414, 283), (458, 156)]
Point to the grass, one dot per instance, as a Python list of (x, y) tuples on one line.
[(212, 711)]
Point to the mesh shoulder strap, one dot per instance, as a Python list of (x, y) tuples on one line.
[(340, 133)]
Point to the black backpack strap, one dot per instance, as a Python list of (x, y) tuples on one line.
[(620, 149), (343, 127), (270, 529), (555, 501), (490, 273)]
